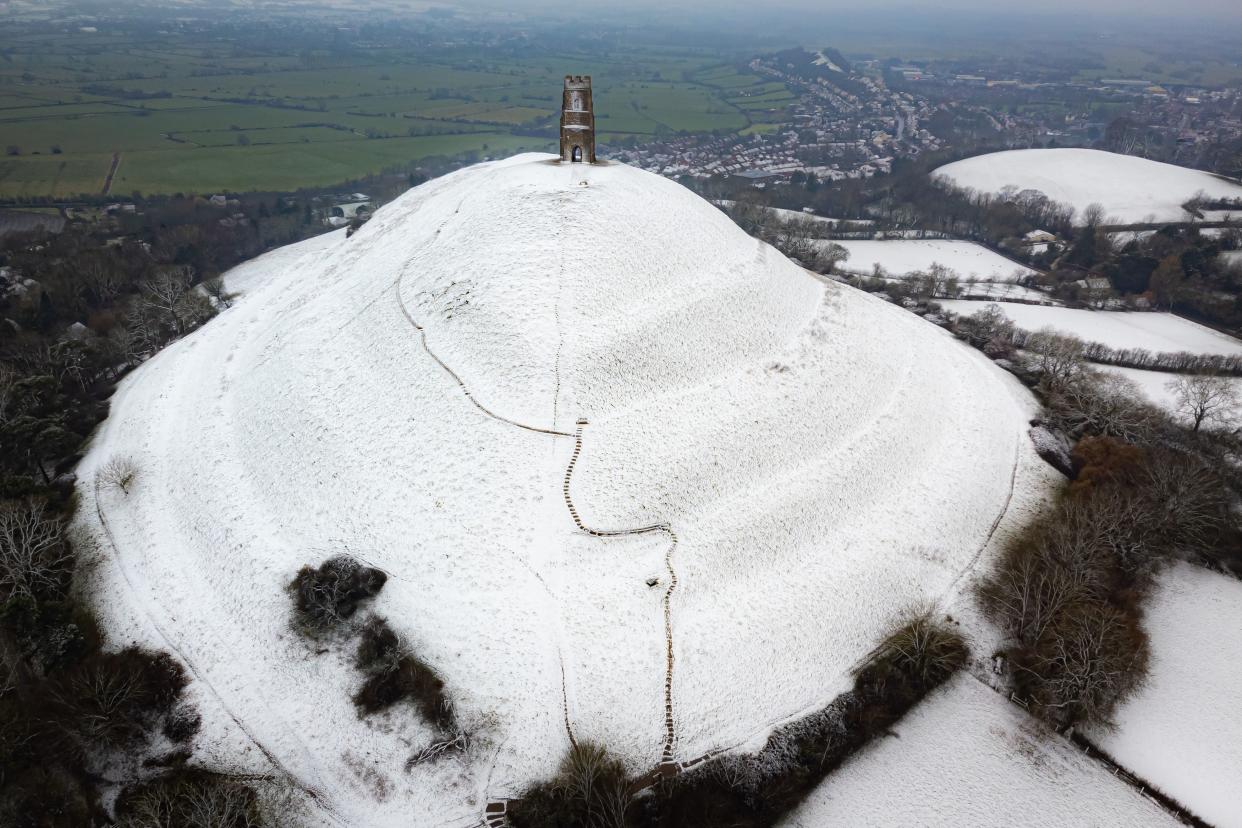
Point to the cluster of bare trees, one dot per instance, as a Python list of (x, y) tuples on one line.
[(1069, 591), (35, 560), (166, 307), (1146, 488)]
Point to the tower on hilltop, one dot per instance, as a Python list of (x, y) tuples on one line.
[(577, 120)]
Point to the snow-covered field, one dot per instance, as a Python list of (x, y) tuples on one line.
[(967, 757), (1130, 189), (825, 459), (1183, 731), (902, 256), (1117, 329), (1154, 385)]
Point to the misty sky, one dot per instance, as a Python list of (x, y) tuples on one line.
[(1185, 10)]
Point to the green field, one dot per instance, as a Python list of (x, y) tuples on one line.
[(190, 115)]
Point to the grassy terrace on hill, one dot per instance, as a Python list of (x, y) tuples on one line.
[(204, 114)]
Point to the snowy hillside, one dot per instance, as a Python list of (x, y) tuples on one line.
[(806, 460), (1130, 189)]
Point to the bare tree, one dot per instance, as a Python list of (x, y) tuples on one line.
[(1057, 357), (102, 278), (1087, 665), (1093, 214), (34, 558), (599, 781), (832, 254), (171, 299), (1204, 398), (118, 473), (198, 802), (218, 291)]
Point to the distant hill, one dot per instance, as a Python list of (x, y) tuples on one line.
[(1130, 189)]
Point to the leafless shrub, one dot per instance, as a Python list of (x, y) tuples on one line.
[(118, 473), (591, 789), (327, 596), (1097, 403), (217, 290), (923, 649), (34, 558), (395, 673)]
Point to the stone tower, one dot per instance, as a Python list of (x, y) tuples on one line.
[(577, 120)]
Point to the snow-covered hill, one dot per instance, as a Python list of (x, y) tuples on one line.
[(1130, 189), (821, 457)]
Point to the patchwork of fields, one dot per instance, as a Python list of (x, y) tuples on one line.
[(196, 116)]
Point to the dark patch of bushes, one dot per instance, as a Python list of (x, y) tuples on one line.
[(750, 791), (326, 596), (591, 789), (394, 674), (1069, 590)]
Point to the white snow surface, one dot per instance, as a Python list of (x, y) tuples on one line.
[(1183, 731), (1130, 189), (824, 457), (965, 757), (900, 257), (1117, 329)]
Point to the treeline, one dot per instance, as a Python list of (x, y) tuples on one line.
[(1181, 362), (82, 724), (80, 308), (1143, 489), (1176, 268), (593, 790)]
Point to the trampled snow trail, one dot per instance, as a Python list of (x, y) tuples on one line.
[(667, 755)]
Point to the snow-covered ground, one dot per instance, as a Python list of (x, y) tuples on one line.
[(1183, 731), (255, 273), (902, 256), (1130, 189), (1117, 329), (824, 457), (967, 757)]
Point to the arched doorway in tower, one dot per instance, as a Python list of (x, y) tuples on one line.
[(577, 154)]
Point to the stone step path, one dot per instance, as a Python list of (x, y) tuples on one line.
[(667, 757), (495, 813)]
